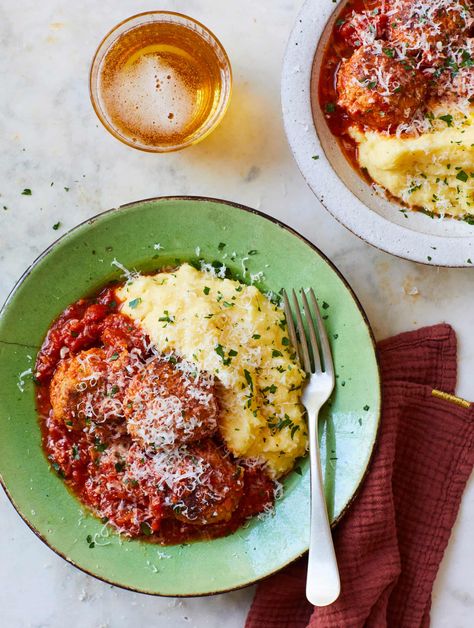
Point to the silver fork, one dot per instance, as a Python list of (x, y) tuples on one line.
[(322, 582)]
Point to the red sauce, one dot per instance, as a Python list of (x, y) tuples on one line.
[(93, 460), (340, 46), (437, 68), (258, 494), (78, 327)]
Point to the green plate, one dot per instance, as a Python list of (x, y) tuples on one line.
[(79, 263)]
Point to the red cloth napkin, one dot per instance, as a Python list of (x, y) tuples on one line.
[(390, 544)]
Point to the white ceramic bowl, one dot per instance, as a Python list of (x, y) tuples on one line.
[(337, 185)]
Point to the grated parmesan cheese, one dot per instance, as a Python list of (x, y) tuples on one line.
[(233, 332), (129, 275)]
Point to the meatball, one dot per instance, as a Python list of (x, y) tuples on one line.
[(132, 507), (88, 387), (463, 81), (170, 404), (361, 28), (455, 83), (377, 90), (204, 486), (426, 29)]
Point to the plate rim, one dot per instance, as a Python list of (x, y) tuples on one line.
[(333, 267), (304, 141)]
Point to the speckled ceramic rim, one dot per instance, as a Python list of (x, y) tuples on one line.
[(214, 119), (244, 208), (320, 176)]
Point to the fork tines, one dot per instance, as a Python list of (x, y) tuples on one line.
[(310, 341)]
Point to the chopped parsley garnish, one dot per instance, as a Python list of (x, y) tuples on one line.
[(467, 60), (256, 336), (58, 469), (113, 357), (276, 353), (99, 445), (281, 424), (166, 318), (145, 528), (252, 252), (226, 360), (57, 225), (315, 157), (135, 302), (221, 246), (285, 341), (414, 188), (75, 452), (206, 290), (448, 118), (366, 408), (294, 429), (26, 192), (119, 466), (248, 379), (462, 176), (271, 389), (330, 107)]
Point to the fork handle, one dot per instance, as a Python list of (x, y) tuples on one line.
[(322, 582)]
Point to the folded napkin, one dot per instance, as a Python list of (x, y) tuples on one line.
[(390, 544)]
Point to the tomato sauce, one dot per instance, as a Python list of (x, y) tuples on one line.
[(342, 43), (93, 460), (78, 327)]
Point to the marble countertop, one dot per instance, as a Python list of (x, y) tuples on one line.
[(53, 144)]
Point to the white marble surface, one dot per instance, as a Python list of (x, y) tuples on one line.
[(49, 133)]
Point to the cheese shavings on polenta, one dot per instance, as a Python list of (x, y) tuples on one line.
[(234, 332)]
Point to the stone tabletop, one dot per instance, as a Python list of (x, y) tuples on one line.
[(53, 144)]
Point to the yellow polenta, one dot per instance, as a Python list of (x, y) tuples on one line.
[(434, 170), (236, 333)]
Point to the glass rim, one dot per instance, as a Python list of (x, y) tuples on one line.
[(212, 122)]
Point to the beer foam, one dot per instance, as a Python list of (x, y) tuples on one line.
[(150, 98)]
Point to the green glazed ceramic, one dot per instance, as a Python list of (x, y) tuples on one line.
[(185, 229)]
